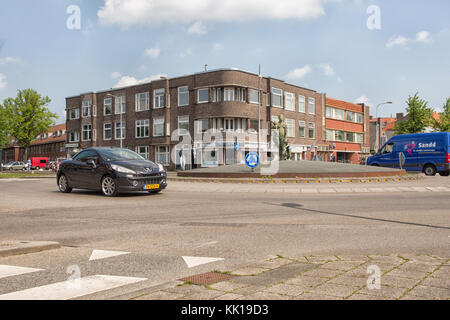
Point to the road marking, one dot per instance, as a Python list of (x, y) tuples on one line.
[(9, 271), (206, 244), (61, 290), (103, 254), (197, 261)]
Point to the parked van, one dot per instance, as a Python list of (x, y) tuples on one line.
[(422, 152), (38, 163)]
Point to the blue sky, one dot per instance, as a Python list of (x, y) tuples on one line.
[(324, 45)]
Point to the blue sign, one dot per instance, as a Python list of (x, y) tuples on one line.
[(236, 146), (252, 160)]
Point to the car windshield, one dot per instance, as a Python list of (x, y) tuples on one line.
[(119, 155), (10, 163)]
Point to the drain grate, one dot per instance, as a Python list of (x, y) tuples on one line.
[(207, 278)]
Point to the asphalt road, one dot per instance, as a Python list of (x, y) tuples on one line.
[(242, 224)]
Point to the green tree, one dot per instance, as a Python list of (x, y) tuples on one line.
[(443, 124), (419, 117), (4, 127), (28, 116), (284, 150)]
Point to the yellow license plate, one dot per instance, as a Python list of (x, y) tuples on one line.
[(151, 187)]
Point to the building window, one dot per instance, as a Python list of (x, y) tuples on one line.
[(243, 125), (290, 101), (107, 131), (203, 95), (183, 125), (329, 112), (277, 98), (158, 127), (217, 94), (74, 114), (253, 96), (350, 137), (229, 94), (162, 155), (87, 132), (74, 136), (339, 136), (121, 105), (311, 130), (120, 128), (359, 138), (330, 135), (312, 106), (158, 101), (107, 106), (229, 124), (142, 101), (183, 96), (359, 118), (142, 128), (301, 129), (87, 108), (339, 114), (290, 128), (351, 116), (267, 99), (143, 151), (301, 104), (241, 94), (202, 125)]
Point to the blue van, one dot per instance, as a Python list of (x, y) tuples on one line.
[(422, 152)]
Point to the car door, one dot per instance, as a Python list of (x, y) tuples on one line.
[(74, 169), (87, 172)]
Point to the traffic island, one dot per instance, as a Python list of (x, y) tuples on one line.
[(14, 248), (294, 170)]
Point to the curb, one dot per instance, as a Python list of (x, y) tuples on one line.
[(14, 248), (293, 181)]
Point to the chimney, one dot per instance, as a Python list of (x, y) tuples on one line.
[(206, 67)]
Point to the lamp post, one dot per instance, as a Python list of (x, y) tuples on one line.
[(378, 135), (259, 112), (121, 124)]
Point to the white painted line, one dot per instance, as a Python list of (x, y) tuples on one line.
[(197, 261), (207, 244), (103, 254), (420, 189), (64, 291), (309, 191), (9, 271)]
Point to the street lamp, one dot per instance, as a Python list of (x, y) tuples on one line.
[(259, 112), (378, 135), (121, 123)]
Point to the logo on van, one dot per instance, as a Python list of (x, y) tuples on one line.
[(427, 145), (410, 147)]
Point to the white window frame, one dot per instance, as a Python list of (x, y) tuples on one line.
[(290, 128), (358, 114), (198, 96), (347, 113), (289, 97), (77, 114), (185, 93), (199, 127), (230, 123), (302, 124), (183, 119), (277, 93), (104, 131), (123, 125), (217, 95), (141, 125), (110, 104), (88, 107), (332, 111), (301, 102), (158, 122), (139, 100), (166, 154), (89, 131), (332, 135), (229, 94), (159, 98), (311, 125), (312, 105), (145, 154), (241, 94), (76, 136), (257, 93), (120, 106)]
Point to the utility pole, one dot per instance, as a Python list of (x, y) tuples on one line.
[(259, 112)]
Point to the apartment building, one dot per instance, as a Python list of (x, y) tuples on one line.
[(224, 100), (347, 131)]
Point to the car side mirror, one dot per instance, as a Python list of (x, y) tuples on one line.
[(92, 163)]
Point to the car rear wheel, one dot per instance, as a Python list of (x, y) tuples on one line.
[(109, 187), (429, 170), (63, 184), (444, 174)]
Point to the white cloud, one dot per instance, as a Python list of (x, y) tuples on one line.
[(2, 81), (115, 75), (126, 81), (299, 73), (143, 68), (327, 70), (7, 60), (186, 52), (153, 52), (218, 47), (364, 99), (198, 28), (421, 37), (155, 12)]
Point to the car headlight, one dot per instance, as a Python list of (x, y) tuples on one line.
[(122, 169), (161, 167)]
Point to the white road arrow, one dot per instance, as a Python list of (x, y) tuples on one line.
[(103, 254), (197, 261)]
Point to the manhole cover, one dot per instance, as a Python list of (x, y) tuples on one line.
[(207, 278)]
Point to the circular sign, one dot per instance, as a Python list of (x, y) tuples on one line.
[(252, 160)]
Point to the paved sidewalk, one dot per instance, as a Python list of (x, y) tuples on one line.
[(402, 276)]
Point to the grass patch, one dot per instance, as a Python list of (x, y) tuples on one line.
[(12, 175)]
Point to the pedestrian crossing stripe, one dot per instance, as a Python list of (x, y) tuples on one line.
[(9, 271)]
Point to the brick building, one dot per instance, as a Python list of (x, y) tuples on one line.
[(49, 145), (347, 131), (225, 101)]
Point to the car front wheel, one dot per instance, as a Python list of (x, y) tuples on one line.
[(109, 186), (63, 184)]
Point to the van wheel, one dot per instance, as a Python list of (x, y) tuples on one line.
[(444, 174), (63, 184), (429, 170)]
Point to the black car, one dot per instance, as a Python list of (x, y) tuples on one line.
[(111, 170)]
